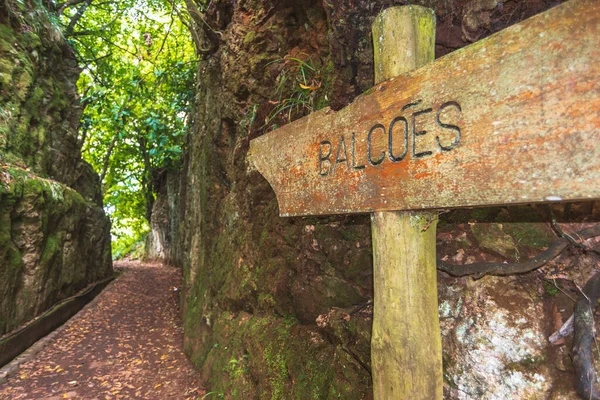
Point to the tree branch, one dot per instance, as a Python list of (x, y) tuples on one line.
[(481, 269), (565, 330), (200, 26), (109, 151), (77, 17), (96, 78), (63, 6), (569, 238), (584, 338), (147, 185), (162, 46)]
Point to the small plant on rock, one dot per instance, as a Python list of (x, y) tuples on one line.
[(299, 84)]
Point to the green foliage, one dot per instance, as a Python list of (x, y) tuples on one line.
[(130, 240), (238, 368), (137, 85), (298, 88), (214, 395), (550, 288)]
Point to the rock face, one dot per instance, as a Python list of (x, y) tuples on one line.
[(279, 307), (160, 244), (54, 235)]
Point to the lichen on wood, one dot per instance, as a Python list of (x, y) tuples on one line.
[(495, 123), (406, 347)]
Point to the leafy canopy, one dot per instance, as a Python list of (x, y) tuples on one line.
[(137, 86)]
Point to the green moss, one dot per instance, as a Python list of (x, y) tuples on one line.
[(35, 99), (22, 84), (346, 384), (448, 363), (527, 365), (31, 40), (34, 210), (249, 38), (39, 133), (51, 249), (7, 66), (325, 93), (322, 231), (550, 289), (58, 101), (20, 144), (264, 236), (11, 262), (492, 237), (34, 188), (534, 235), (258, 62), (480, 214), (291, 235), (352, 234), (266, 301), (243, 272), (278, 360), (278, 373)]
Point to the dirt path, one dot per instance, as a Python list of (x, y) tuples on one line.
[(124, 345)]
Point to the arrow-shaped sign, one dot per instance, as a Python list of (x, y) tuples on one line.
[(514, 118)]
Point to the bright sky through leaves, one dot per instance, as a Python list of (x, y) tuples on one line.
[(138, 66)]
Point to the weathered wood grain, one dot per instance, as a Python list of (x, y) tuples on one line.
[(514, 118), (406, 344)]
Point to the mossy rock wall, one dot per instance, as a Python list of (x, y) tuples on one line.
[(277, 308), (54, 235), (53, 243)]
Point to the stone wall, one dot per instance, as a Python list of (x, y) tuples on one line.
[(54, 235), (279, 307)]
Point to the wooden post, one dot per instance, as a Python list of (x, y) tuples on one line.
[(406, 347)]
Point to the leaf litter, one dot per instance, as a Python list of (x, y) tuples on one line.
[(127, 344)]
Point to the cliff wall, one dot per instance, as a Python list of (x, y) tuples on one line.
[(54, 235)]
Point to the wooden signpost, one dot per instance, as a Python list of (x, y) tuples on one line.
[(514, 118)]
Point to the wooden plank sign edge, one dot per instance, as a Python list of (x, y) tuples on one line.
[(514, 118)]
